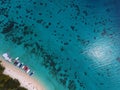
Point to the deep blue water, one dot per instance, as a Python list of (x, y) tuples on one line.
[(70, 44)]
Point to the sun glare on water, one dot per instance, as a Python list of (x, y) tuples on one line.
[(101, 51)]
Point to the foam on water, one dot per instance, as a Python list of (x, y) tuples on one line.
[(71, 45)]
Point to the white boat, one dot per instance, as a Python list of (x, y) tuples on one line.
[(6, 57), (23, 67), (18, 64), (28, 71), (16, 58)]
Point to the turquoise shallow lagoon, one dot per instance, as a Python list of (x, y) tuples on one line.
[(69, 44)]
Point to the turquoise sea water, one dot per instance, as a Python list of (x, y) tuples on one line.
[(70, 44)]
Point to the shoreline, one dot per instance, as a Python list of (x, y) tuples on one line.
[(25, 80)]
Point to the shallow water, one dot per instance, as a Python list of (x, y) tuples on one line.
[(71, 45)]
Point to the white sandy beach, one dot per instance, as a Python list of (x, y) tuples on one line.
[(26, 81)]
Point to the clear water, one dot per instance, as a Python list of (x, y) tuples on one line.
[(70, 44)]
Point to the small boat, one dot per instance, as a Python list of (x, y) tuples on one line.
[(31, 73), (16, 62), (6, 57), (28, 71), (21, 64), (23, 67), (17, 58)]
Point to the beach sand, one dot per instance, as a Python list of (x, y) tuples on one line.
[(26, 81)]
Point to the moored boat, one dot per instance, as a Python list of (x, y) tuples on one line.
[(20, 66), (17, 63), (31, 73), (6, 57)]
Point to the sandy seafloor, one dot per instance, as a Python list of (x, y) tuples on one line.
[(70, 44)]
